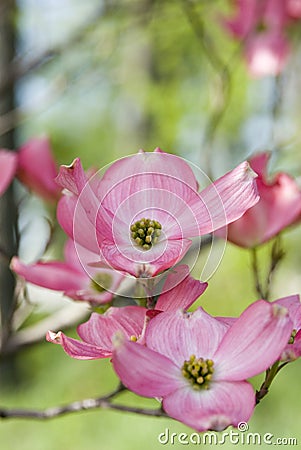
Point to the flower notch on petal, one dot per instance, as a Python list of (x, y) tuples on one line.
[(198, 371), (146, 232)]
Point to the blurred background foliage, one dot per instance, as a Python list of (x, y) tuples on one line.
[(104, 78)]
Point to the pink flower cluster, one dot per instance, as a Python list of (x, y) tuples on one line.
[(136, 222), (195, 363), (262, 25), (34, 166)]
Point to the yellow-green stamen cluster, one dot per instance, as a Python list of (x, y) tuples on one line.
[(198, 371), (146, 232), (102, 282), (292, 338)]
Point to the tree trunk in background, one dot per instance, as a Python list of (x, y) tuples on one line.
[(7, 202)]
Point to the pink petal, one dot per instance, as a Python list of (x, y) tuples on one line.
[(293, 305), (293, 8), (8, 165), (275, 15), (76, 349), (222, 405), (72, 177), (71, 255), (132, 198), (100, 328), (292, 351), (37, 168), (157, 162), (144, 371), (83, 231), (144, 263), (259, 163), (279, 206), (296, 346), (179, 335), (51, 275), (229, 321), (266, 53), (222, 202), (245, 19), (180, 290), (253, 342)]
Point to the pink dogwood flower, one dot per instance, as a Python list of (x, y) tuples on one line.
[(292, 350), (262, 25), (293, 9), (97, 332), (97, 286), (179, 291), (199, 366), (279, 206), (8, 166), (267, 53), (37, 168), (141, 214)]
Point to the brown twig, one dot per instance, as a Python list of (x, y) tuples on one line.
[(82, 405)]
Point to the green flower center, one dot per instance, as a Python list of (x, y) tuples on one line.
[(102, 282), (292, 338), (198, 371), (146, 232)]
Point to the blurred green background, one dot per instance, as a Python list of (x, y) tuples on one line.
[(110, 77)]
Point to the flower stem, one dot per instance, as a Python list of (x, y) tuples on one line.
[(269, 377), (255, 267), (276, 255)]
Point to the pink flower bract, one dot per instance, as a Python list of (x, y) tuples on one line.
[(180, 290), (279, 206), (292, 350), (96, 286), (198, 365), (142, 212), (37, 168), (8, 165)]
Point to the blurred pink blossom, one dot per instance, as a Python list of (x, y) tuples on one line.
[(279, 206), (37, 168), (8, 166), (262, 25)]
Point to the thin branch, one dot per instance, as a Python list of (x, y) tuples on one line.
[(276, 255), (82, 405), (219, 66), (22, 66), (255, 268)]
